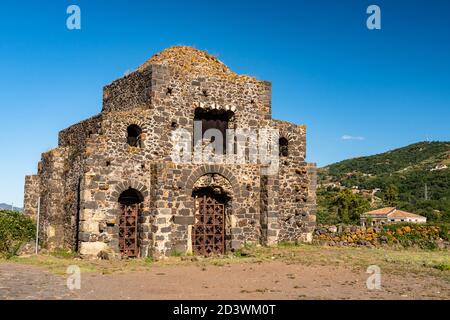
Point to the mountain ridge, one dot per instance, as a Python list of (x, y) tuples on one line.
[(440, 147), (5, 206)]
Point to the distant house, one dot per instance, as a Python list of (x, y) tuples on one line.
[(439, 167), (389, 215)]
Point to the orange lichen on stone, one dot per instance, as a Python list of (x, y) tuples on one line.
[(190, 61)]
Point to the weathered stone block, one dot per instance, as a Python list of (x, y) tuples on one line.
[(235, 244), (185, 220), (92, 248)]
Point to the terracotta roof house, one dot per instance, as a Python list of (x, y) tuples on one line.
[(389, 215)]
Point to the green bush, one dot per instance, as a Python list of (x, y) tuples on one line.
[(149, 260), (444, 231), (442, 266), (15, 230)]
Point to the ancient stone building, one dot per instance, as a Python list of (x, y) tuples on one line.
[(112, 187)]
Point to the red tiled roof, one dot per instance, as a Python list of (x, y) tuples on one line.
[(382, 211), (403, 214), (392, 212)]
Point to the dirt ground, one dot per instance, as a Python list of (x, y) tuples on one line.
[(284, 273), (268, 280)]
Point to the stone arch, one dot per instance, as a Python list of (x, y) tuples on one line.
[(131, 196), (214, 181), (287, 134), (135, 120), (211, 169), (216, 192), (129, 184)]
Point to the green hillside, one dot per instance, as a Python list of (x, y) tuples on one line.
[(413, 178)]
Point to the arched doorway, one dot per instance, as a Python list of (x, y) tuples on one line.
[(212, 202), (130, 204)]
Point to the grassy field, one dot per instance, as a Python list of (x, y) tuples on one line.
[(432, 263)]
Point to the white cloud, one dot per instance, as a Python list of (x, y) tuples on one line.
[(349, 137)]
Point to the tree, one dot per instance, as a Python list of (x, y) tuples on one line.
[(350, 206), (391, 196)]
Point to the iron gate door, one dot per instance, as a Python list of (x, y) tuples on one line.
[(208, 236), (128, 242)]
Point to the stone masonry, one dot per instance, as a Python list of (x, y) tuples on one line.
[(126, 150)]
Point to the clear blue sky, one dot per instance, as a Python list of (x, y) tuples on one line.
[(385, 88)]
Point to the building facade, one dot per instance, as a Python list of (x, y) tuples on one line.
[(112, 187), (389, 215)]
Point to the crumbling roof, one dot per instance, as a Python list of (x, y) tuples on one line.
[(190, 61)]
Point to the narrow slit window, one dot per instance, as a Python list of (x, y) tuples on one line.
[(284, 147)]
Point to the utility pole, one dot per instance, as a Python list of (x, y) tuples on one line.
[(426, 191), (37, 224)]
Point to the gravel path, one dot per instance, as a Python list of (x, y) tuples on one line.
[(21, 282), (271, 280)]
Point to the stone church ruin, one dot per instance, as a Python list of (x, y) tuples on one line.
[(112, 188)]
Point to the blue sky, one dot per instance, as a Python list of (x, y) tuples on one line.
[(381, 89)]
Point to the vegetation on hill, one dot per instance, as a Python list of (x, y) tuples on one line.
[(413, 178)]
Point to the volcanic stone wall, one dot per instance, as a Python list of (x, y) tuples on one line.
[(52, 219), (296, 215), (168, 208), (31, 192), (131, 91), (80, 181), (243, 218), (75, 136)]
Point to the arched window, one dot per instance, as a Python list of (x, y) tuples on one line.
[(134, 133), (284, 147), (130, 196)]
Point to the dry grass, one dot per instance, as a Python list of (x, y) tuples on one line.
[(435, 263)]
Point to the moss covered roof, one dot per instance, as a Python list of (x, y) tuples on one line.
[(190, 61)]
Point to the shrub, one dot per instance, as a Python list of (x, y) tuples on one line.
[(444, 232), (149, 260), (176, 253), (442, 266), (424, 236), (238, 253), (15, 230)]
